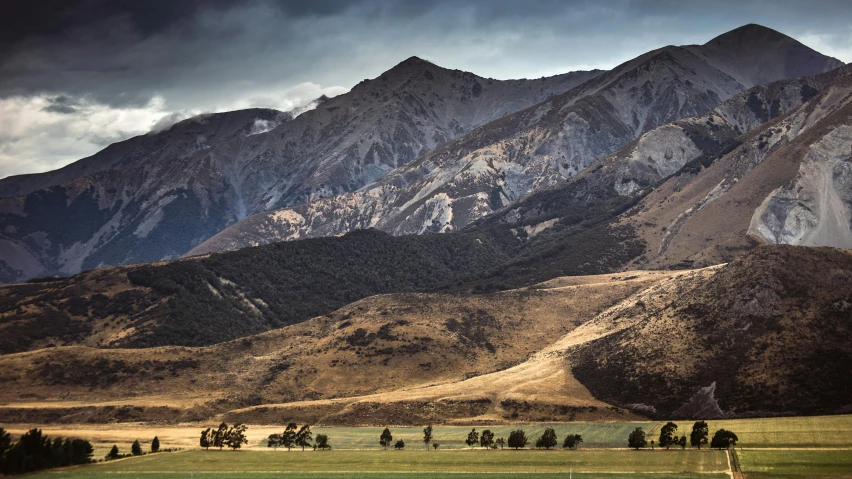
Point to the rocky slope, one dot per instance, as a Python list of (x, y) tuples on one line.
[(788, 182), (155, 197), (543, 145), (185, 137), (767, 334)]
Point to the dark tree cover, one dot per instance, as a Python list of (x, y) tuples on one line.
[(274, 440), (136, 448), (699, 434), (486, 440), (723, 439), (35, 451), (518, 439), (399, 445), (386, 438), (220, 436), (472, 438), (236, 436), (304, 437), (294, 281), (636, 439), (288, 439), (322, 442), (572, 441), (5, 443), (547, 440), (113, 453), (206, 439), (427, 435), (682, 442), (155, 444), (667, 435)]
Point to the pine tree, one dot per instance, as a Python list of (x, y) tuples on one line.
[(113, 453), (427, 435), (205, 441), (155, 444), (136, 449), (386, 438)]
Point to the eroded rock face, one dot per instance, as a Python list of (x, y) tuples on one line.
[(494, 166), (156, 196), (815, 208)]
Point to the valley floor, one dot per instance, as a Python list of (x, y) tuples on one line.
[(790, 447)]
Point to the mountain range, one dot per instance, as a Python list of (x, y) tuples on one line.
[(395, 153), (666, 239)]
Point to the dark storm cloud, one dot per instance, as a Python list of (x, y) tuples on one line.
[(160, 61), (123, 52)]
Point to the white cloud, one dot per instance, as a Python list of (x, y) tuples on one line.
[(45, 132), (35, 136)]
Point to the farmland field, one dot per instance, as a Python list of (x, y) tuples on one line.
[(794, 447), (796, 464), (257, 464)]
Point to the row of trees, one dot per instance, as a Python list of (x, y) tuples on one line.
[(722, 439), (517, 439), (35, 451), (294, 436), (233, 437)]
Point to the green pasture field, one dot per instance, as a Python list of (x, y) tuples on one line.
[(595, 434), (415, 464), (784, 432), (788, 432), (800, 464)]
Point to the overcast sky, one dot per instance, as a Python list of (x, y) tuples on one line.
[(78, 75)]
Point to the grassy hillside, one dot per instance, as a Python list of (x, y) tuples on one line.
[(373, 346)]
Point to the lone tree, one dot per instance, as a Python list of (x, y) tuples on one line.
[(637, 439), (518, 439), (304, 437), (667, 435), (572, 441), (472, 438), (486, 440), (155, 444), (435, 446), (500, 442), (723, 439), (136, 449), (236, 436), (205, 441), (548, 438), (682, 442), (113, 453), (400, 445), (427, 436), (288, 439), (699, 434), (386, 438), (273, 441), (322, 442)]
